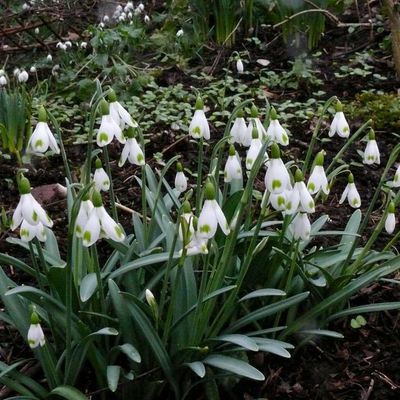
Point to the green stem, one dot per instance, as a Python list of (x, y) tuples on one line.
[(199, 176), (36, 267), (95, 258), (112, 196)]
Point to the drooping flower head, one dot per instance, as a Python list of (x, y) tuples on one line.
[(42, 138), (339, 124), (211, 215), (254, 150), (371, 153), (199, 127), (100, 223), (301, 226), (100, 177), (390, 222), (180, 179), (318, 180), (131, 151), (396, 179), (275, 131), (239, 66), (120, 116), (233, 169), (299, 198), (351, 193), (239, 129), (35, 333), (85, 209), (28, 209), (108, 127), (186, 226), (254, 121), (277, 178), (23, 76)]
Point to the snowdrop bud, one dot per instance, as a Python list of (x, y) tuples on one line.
[(239, 129), (3, 80), (233, 169), (390, 222), (180, 179), (36, 31), (35, 333), (101, 179), (151, 301), (179, 33), (33, 69), (49, 58), (351, 193), (371, 153), (339, 124), (239, 66)]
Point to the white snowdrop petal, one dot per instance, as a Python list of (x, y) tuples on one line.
[(91, 231), (52, 141), (17, 216), (101, 180), (109, 226), (221, 218), (345, 193), (35, 336), (207, 223), (390, 223), (27, 231), (180, 182)]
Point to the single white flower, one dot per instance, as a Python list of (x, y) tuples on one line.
[(278, 201), (99, 222), (37, 31), (186, 226), (3, 80), (275, 131), (85, 209), (351, 193), (108, 127), (100, 178), (42, 138), (68, 43), (28, 208), (179, 33), (299, 199), (27, 231), (239, 66), (371, 153), (390, 222), (26, 7), (396, 179), (49, 58), (277, 178), (121, 116), (197, 245), (141, 7), (131, 152), (83, 45), (239, 129), (318, 180), (106, 18), (199, 127), (211, 215), (35, 334), (146, 19), (301, 226), (33, 69), (61, 46), (254, 150), (16, 72), (180, 179), (233, 169), (339, 124), (23, 76)]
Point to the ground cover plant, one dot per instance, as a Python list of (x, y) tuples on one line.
[(195, 234)]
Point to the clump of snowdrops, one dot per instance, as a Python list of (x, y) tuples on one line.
[(209, 271)]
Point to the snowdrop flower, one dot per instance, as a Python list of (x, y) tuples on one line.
[(239, 128), (35, 333), (396, 179), (339, 124), (37, 31), (275, 132), (318, 180), (179, 33), (26, 7), (131, 150), (85, 209), (277, 178), (351, 193), (197, 245), (100, 223), (239, 66), (199, 127), (233, 169), (211, 215), (118, 113), (68, 43), (100, 178), (16, 72), (146, 19), (254, 150), (390, 222), (108, 127), (28, 209), (371, 153), (28, 232), (42, 138), (3, 80), (129, 6), (83, 45), (106, 18), (49, 58), (301, 226), (141, 7), (33, 69), (23, 76), (299, 199), (186, 227), (180, 179), (254, 121), (61, 46)]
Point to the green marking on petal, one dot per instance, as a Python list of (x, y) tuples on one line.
[(39, 143), (285, 138), (281, 201), (78, 229), (276, 184), (197, 131), (311, 204), (86, 236), (118, 231), (205, 228), (35, 216), (311, 186), (106, 183), (140, 157), (288, 205), (24, 232), (103, 137), (345, 129), (354, 202)]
